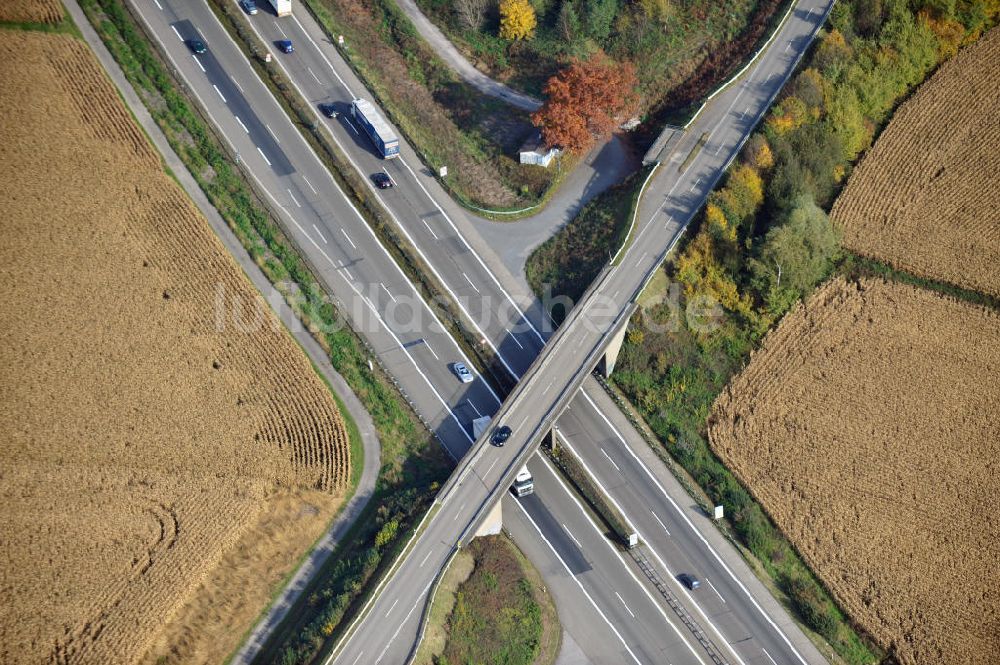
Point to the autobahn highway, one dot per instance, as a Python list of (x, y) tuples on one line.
[(678, 190), (424, 214), (629, 623), (354, 267)]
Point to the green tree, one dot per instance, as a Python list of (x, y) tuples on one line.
[(568, 22), (795, 255), (847, 122), (600, 15)]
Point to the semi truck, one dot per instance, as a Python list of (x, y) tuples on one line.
[(524, 484), (375, 126), (282, 7)]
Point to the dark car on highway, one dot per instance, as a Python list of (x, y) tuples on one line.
[(382, 180), (500, 436), (285, 45), (329, 110), (197, 46), (249, 6), (690, 581)]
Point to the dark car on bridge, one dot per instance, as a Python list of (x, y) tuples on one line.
[(329, 110), (285, 45), (500, 436), (382, 180)]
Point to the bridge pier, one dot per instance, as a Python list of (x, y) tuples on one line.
[(606, 365), (493, 522)]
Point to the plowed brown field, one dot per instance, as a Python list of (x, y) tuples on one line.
[(161, 467), (867, 427), (926, 196), (31, 11)]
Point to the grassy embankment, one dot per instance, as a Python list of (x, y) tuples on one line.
[(412, 463), (491, 607), (681, 50), (448, 122), (568, 262), (762, 243), (234, 19)]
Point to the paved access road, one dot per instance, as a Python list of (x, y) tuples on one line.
[(675, 194)]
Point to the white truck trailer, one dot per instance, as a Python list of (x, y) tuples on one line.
[(282, 7)]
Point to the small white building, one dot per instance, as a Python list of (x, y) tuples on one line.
[(534, 151)]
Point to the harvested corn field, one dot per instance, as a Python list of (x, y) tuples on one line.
[(925, 198), (165, 462), (867, 427), (31, 11)]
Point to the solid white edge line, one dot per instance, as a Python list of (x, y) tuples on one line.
[(474, 253), (604, 539), (368, 227), (579, 584), (694, 529), (323, 55), (396, 566)]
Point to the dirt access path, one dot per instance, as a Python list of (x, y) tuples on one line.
[(447, 52)]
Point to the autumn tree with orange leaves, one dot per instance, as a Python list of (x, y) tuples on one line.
[(585, 102)]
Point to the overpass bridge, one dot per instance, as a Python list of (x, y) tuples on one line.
[(589, 339)]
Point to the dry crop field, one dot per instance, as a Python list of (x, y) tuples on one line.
[(34, 11), (926, 196), (162, 468), (867, 427)]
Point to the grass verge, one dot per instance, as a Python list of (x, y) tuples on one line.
[(413, 465), (64, 26), (499, 613), (573, 470), (303, 117), (568, 262), (447, 121)]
